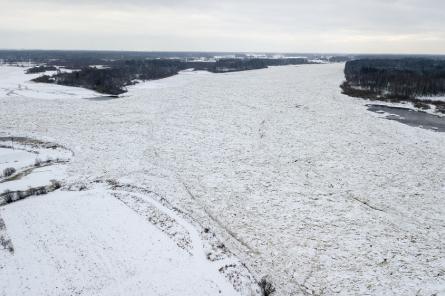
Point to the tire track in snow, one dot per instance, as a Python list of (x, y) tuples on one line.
[(220, 224)]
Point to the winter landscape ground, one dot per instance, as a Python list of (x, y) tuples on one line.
[(203, 184)]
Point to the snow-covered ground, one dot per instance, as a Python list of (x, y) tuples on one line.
[(14, 83), (406, 104), (302, 183), (14, 158), (102, 241), (88, 243), (432, 98)]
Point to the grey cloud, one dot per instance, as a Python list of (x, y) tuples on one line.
[(287, 24)]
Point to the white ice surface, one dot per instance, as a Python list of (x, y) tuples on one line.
[(302, 182)]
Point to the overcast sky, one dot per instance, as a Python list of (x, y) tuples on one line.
[(353, 26)]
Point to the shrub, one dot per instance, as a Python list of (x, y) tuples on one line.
[(36, 191), (56, 184), (266, 286), (8, 172), (8, 196), (37, 162), (421, 105), (40, 69)]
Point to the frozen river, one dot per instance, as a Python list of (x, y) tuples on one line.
[(304, 184)]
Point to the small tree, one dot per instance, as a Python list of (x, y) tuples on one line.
[(8, 172)]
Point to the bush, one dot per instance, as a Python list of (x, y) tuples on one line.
[(8, 196), (8, 172), (37, 162), (55, 184), (40, 69), (266, 286), (36, 191), (421, 105)]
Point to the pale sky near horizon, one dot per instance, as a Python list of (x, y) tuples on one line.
[(350, 26)]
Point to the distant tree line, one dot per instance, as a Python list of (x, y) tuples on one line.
[(40, 69), (404, 77), (113, 80), (396, 79), (121, 73), (98, 57), (233, 65)]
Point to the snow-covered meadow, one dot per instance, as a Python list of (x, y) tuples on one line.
[(303, 184), (102, 238), (15, 83)]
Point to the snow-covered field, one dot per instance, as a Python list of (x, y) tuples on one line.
[(302, 183), (88, 243), (101, 240), (15, 83)]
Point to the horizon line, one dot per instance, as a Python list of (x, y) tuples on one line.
[(220, 51)]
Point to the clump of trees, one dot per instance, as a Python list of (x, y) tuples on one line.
[(396, 80), (233, 65), (402, 77), (227, 65), (8, 172), (113, 80), (121, 73), (9, 196), (266, 287), (40, 69)]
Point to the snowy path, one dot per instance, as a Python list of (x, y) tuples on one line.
[(302, 183)]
